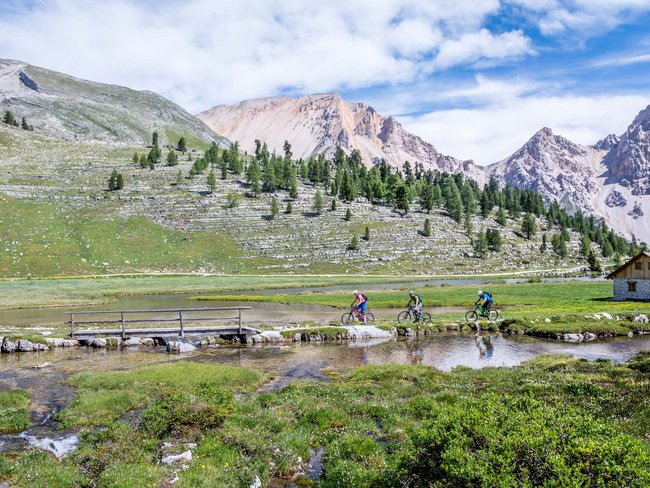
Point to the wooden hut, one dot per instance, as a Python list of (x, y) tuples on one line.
[(632, 280)]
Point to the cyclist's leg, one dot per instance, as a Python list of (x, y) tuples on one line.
[(362, 308)]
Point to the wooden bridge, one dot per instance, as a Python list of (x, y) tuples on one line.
[(182, 322)]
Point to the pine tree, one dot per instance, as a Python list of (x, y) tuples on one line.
[(115, 181), (585, 246), (354, 243), (594, 263), (232, 200), (402, 198), (182, 145), (366, 234), (25, 126), (501, 217), (212, 182), (333, 205), (275, 207), (544, 244), (136, 158), (144, 161), (427, 198), (468, 224), (179, 178), (289, 208), (119, 181), (494, 240), (318, 203), (293, 191), (480, 245), (427, 228), (9, 119), (529, 226), (348, 214), (559, 245), (172, 158)]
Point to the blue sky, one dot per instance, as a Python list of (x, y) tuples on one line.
[(476, 78)]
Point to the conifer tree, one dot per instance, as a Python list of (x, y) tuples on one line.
[(318, 203), (144, 161), (182, 144), (25, 126), (427, 228), (402, 198), (179, 178), (354, 243), (115, 181), (333, 205), (348, 214), (289, 208), (136, 158), (275, 207), (366, 234), (494, 240), (9, 119), (529, 226), (501, 217), (172, 158), (232, 200), (427, 198), (212, 182), (544, 244), (480, 245), (559, 245), (594, 263)]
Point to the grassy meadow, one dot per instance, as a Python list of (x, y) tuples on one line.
[(554, 421)]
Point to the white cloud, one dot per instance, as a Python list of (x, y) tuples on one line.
[(482, 45), (490, 134), (200, 52)]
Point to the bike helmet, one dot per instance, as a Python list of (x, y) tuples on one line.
[(355, 292), (480, 292), (411, 293)]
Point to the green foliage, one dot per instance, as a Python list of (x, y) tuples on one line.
[(559, 245), (232, 200), (14, 411), (529, 225), (366, 234), (348, 214), (275, 207), (25, 126), (641, 362), (182, 144), (543, 246), (212, 182), (354, 243), (172, 158), (333, 205), (494, 240), (501, 217), (289, 208), (115, 181), (39, 469), (480, 245), (175, 412), (9, 119), (427, 228), (318, 203), (518, 441)]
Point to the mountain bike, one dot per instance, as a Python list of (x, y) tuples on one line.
[(409, 315), (480, 312), (348, 317)]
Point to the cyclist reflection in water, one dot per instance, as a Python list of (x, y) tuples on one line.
[(485, 347)]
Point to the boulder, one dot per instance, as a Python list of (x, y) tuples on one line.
[(180, 347), (590, 336), (131, 341), (8, 345), (174, 459), (607, 315), (641, 319), (572, 337), (98, 342), (147, 342), (24, 345)]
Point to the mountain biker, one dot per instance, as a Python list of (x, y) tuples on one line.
[(362, 303), (485, 300), (416, 300)]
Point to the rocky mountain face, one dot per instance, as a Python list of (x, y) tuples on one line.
[(317, 124), (610, 179), (629, 159), (70, 108)]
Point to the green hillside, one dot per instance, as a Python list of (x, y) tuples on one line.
[(59, 219)]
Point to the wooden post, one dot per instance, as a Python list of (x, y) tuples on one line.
[(180, 319), (240, 321), (123, 325), (72, 325)]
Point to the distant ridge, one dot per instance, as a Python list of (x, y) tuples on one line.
[(65, 107)]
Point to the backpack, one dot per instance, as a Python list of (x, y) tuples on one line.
[(364, 297), (419, 298), (489, 295)]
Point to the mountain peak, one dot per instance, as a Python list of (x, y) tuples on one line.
[(316, 124)]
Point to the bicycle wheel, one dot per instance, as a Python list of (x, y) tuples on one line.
[(493, 315), (404, 317), (471, 316), (347, 318), (370, 317), (426, 318)]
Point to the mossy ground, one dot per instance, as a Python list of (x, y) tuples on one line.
[(14, 411), (554, 421)]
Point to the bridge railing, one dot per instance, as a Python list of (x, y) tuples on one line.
[(182, 316)]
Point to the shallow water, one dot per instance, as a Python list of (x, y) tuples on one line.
[(285, 363)]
